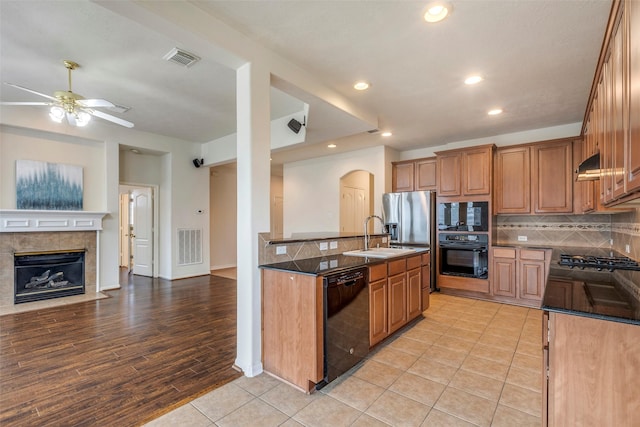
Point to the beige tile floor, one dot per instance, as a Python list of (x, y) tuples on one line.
[(467, 363)]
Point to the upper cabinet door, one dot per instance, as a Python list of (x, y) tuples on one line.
[(449, 171), (425, 175), (513, 181), (632, 12), (476, 171), (402, 177), (552, 183)]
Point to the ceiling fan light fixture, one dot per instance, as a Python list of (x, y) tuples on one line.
[(82, 118), (57, 113)]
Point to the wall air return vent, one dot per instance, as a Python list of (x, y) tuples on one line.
[(189, 246), (181, 57)]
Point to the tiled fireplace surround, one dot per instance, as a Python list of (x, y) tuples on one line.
[(44, 241)]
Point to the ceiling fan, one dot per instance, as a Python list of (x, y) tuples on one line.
[(74, 107)]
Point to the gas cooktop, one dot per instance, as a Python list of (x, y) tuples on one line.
[(599, 263)]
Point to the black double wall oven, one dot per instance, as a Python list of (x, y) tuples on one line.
[(464, 254)]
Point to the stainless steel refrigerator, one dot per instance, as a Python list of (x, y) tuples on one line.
[(410, 219)]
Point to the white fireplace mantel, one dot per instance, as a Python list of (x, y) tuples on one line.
[(19, 220)]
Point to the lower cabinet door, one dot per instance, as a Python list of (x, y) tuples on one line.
[(397, 301), (414, 293), (378, 309)]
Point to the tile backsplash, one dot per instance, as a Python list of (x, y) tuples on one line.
[(555, 230), (310, 248)]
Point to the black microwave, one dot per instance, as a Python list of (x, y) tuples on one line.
[(463, 216)]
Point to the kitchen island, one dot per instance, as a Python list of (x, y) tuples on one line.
[(591, 343), (297, 310)]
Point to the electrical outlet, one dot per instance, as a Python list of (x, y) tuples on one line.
[(384, 240), (281, 250), (324, 246), (627, 249), (333, 245), (522, 238)]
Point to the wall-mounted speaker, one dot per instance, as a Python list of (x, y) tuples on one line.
[(198, 162), (294, 125)]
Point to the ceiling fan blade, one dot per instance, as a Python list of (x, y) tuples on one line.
[(95, 103), (25, 103), (110, 118), (32, 91)]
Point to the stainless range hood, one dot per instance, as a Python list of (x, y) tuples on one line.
[(589, 170)]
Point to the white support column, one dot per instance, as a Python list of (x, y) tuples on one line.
[(254, 171)]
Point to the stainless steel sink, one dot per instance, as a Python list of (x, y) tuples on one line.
[(380, 252)]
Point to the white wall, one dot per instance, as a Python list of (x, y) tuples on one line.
[(312, 189), (25, 135), (27, 144)]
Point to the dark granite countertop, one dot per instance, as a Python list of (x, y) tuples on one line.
[(589, 292), (329, 264)]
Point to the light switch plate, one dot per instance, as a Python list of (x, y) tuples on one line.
[(281, 250), (324, 246), (333, 245), (522, 238)]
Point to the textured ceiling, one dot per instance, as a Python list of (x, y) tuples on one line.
[(537, 57)]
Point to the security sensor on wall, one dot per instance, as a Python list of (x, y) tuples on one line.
[(295, 125), (198, 162)]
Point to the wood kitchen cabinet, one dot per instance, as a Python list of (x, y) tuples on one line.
[(612, 125), (590, 371), (397, 283), (426, 280), (534, 178), (292, 339), (513, 181), (465, 172), (552, 177), (378, 304), (414, 175), (503, 281), (519, 274), (414, 287), (531, 274), (394, 296)]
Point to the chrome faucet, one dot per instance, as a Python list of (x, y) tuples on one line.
[(366, 233)]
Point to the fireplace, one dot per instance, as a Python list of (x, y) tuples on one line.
[(48, 274)]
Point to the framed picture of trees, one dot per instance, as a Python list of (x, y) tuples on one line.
[(48, 186)]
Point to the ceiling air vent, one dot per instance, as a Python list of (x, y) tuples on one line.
[(181, 57), (373, 131)]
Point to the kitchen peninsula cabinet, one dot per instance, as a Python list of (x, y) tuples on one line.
[(292, 340), (394, 296), (414, 175), (535, 178), (465, 172), (590, 373)]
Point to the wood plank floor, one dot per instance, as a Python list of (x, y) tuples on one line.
[(150, 347)]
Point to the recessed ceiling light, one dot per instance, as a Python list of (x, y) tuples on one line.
[(386, 133), (471, 80), (495, 112), (331, 145), (437, 11), (361, 86)]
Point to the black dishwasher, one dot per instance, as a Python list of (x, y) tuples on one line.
[(346, 322)]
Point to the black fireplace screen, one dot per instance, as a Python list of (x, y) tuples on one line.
[(46, 275)]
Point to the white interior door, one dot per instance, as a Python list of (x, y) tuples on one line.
[(353, 209), (125, 243), (142, 237)]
